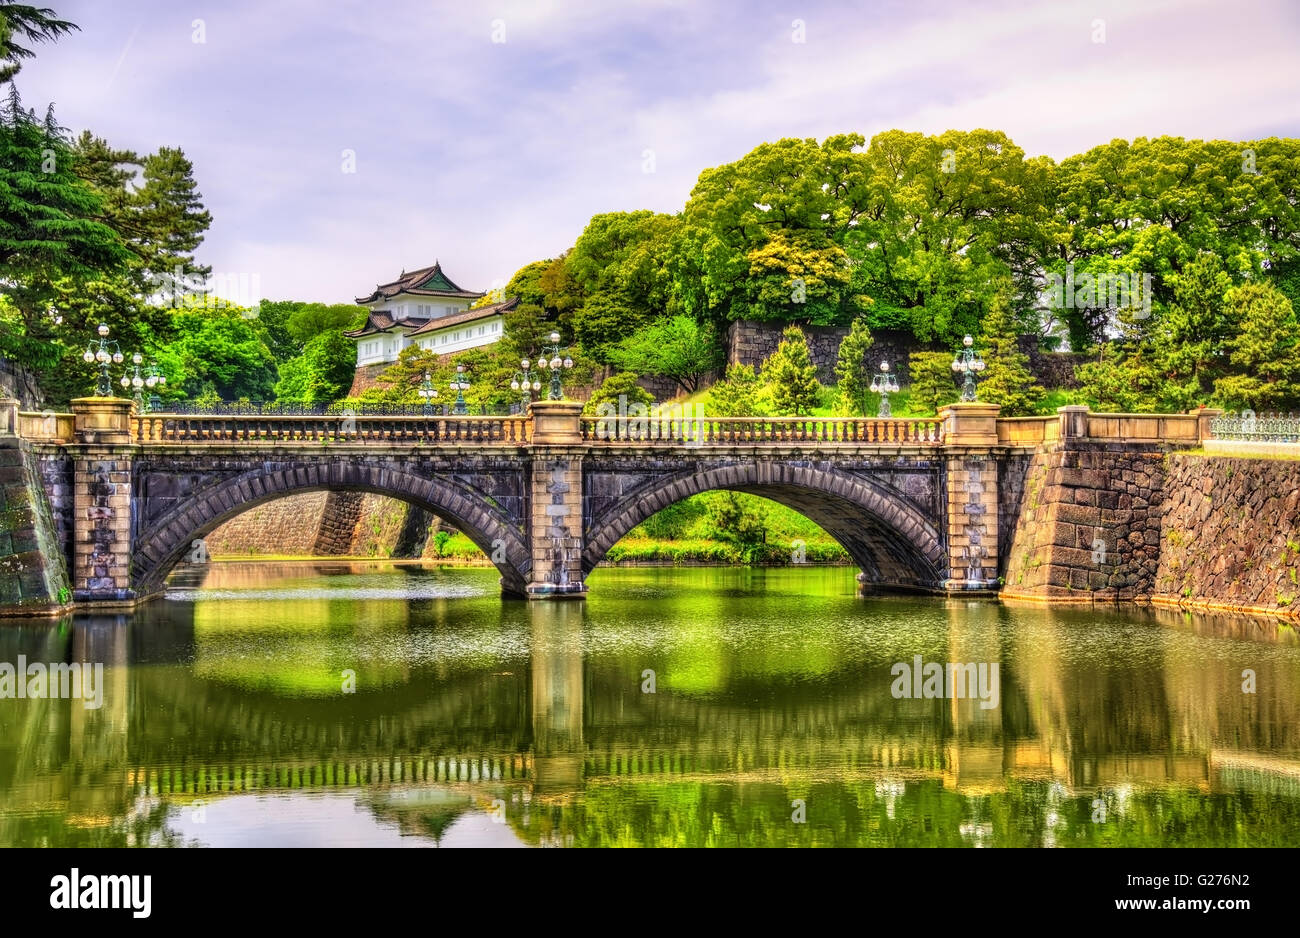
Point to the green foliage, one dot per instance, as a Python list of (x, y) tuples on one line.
[(50, 231), (932, 383), (678, 348), (1007, 380), (20, 24), (1191, 338), (621, 391), (852, 372), (791, 376), (322, 374), (1265, 352), (730, 528), (735, 518), (1122, 381), (619, 267), (219, 350), (778, 215), (1152, 204), (940, 219), (739, 394)]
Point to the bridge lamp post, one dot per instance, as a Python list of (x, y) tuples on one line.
[(135, 381), (527, 381), (99, 351), (427, 394), (968, 363), (460, 384), (153, 380), (884, 384), (552, 362)]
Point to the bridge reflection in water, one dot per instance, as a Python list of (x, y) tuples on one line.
[(536, 714)]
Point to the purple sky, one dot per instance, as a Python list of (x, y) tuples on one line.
[(488, 155)]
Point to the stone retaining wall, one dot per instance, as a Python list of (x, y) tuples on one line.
[(35, 577), (1230, 534), (1089, 524)]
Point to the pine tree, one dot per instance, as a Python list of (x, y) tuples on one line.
[(933, 384), (852, 372), (1123, 380), (1007, 380), (1265, 354), (50, 229), (791, 375), (171, 215), (738, 394), (23, 23)]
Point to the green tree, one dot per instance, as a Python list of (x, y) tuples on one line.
[(51, 236), (678, 348), (21, 23), (621, 391), (1122, 380), (932, 383), (1191, 338), (1007, 380), (322, 373), (739, 394), (171, 216), (852, 372), (1265, 354), (943, 217), (618, 265), (737, 518), (219, 349), (764, 236), (791, 376)]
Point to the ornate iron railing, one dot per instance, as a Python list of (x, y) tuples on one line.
[(1250, 427)]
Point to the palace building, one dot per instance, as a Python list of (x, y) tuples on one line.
[(427, 309)]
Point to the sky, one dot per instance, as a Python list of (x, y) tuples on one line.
[(339, 143)]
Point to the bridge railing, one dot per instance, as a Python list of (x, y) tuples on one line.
[(195, 428), (1165, 428), (1028, 431), (46, 426), (748, 431)]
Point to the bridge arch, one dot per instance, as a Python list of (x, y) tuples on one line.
[(162, 545), (891, 540)]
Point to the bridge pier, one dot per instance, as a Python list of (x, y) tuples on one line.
[(101, 531), (555, 518), (970, 434)]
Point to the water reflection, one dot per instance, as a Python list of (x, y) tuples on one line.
[(227, 718)]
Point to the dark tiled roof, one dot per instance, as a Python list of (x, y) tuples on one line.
[(382, 321), (427, 281), (470, 315)]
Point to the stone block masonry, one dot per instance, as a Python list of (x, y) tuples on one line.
[(1230, 534), (1089, 525), (33, 577)]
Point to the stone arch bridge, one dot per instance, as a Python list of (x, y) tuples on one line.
[(919, 504)]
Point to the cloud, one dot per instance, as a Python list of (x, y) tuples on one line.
[(488, 154)]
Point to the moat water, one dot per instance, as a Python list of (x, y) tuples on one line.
[(337, 704)]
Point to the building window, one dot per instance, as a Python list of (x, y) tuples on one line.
[(482, 330), (444, 340)]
